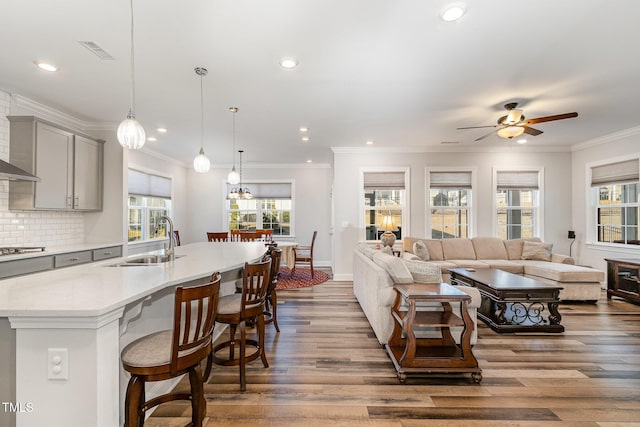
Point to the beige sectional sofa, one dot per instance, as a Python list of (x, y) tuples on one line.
[(578, 283), (374, 275)]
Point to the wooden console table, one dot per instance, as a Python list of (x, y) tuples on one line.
[(411, 355), (622, 279)]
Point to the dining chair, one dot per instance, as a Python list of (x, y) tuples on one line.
[(172, 353), (235, 235), (304, 255), (250, 236), (266, 233), (271, 298), (217, 236), (238, 309)]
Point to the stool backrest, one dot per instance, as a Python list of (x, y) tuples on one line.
[(255, 281), (276, 257), (193, 321), (217, 236)]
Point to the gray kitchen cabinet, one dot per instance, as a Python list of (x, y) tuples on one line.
[(69, 165)]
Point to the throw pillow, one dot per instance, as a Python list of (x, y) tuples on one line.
[(386, 250), (537, 251), (394, 266), (367, 250), (423, 272), (420, 249)]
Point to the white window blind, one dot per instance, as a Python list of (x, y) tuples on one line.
[(615, 173), (450, 179), (268, 190), (517, 180), (144, 184), (384, 180)]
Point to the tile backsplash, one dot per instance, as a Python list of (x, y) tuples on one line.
[(32, 228)]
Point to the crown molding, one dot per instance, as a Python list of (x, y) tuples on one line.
[(605, 139), (449, 149)]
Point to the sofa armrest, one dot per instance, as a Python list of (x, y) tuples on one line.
[(562, 259), (411, 257)]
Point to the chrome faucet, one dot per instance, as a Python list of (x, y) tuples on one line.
[(170, 251)]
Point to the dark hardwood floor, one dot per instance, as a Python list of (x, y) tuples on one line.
[(327, 368)]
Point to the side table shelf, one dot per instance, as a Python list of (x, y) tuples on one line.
[(622, 279), (411, 355)]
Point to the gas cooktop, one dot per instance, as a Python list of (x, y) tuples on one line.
[(14, 250)]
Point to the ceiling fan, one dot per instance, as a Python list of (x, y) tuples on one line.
[(514, 123)]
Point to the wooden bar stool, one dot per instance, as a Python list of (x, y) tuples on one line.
[(171, 353), (237, 310), (271, 299)]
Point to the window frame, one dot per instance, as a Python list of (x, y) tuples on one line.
[(471, 206), (592, 196), (406, 170), (539, 213), (292, 216), (145, 208)]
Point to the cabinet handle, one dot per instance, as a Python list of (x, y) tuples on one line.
[(107, 253), (76, 202), (69, 202), (74, 259)]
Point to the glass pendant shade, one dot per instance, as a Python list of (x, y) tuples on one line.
[(131, 133), (201, 163), (234, 177)]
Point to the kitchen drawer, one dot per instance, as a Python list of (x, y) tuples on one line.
[(106, 253), (25, 266), (72, 258)]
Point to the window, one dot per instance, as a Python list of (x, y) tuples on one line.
[(384, 196), (149, 199), (270, 208), (517, 201), (449, 204), (615, 187)]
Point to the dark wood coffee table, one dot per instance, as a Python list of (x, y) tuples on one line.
[(512, 303)]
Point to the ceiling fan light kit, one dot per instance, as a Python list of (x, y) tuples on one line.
[(515, 124)]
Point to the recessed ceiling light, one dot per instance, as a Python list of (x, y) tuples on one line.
[(522, 141), (46, 66), (288, 63), (304, 129), (309, 161), (369, 142), (305, 138), (162, 130), (151, 138), (452, 13)]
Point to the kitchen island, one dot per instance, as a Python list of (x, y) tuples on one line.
[(85, 315)]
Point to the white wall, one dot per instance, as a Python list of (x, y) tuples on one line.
[(311, 198), (347, 165), (626, 142)]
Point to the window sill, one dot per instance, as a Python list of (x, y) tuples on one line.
[(608, 247)]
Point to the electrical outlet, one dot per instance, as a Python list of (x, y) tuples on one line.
[(58, 364)]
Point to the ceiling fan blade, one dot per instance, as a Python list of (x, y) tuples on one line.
[(478, 127), (484, 136), (531, 131), (550, 118)]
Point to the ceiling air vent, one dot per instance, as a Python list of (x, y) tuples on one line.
[(97, 50), (450, 142)]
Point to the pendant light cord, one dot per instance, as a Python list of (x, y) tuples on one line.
[(201, 115), (133, 87)]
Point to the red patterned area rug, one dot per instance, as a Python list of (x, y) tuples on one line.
[(301, 279)]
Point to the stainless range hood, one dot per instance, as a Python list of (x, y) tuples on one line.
[(11, 172)]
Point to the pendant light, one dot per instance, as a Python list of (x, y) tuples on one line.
[(130, 132), (233, 178), (201, 163), (240, 192)]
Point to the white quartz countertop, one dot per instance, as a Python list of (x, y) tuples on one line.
[(58, 250), (99, 288)]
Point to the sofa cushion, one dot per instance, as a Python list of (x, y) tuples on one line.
[(562, 272), (423, 272), (433, 246), (420, 250), (489, 248), (505, 265), (443, 265), (537, 251), (366, 250), (514, 248), (458, 249), (469, 263), (394, 266)]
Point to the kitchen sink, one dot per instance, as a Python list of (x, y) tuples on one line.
[(146, 260)]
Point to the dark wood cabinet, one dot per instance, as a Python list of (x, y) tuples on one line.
[(622, 279)]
